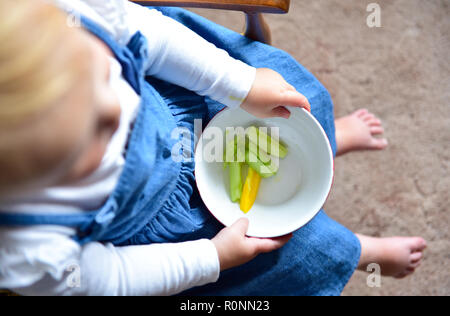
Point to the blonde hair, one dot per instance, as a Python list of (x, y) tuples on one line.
[(31, 61), (38, 67)]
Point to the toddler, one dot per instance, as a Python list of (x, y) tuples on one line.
[(87, 183)]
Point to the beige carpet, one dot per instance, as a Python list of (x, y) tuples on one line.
[(401, 72)]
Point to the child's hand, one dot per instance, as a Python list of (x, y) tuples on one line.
[(270, 93), (235, 249)]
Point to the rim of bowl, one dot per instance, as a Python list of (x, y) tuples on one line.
[(316, 212)]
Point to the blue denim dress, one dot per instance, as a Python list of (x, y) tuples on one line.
[(156, 199)]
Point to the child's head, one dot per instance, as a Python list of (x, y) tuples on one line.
[(57, 110)]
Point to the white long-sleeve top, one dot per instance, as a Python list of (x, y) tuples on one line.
[(44, 260)]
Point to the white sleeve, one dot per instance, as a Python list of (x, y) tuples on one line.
[(159, 269), (176, 54), (180, 56), (43, 262)]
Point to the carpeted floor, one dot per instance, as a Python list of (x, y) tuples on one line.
[(401, 72)]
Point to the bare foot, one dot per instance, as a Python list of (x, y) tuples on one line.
[(357, 131), (397, 256)]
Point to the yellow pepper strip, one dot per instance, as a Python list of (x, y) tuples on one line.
[(250, 190)]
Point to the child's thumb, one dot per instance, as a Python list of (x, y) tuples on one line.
[(241, 226)]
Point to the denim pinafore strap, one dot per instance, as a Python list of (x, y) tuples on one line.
[(156, 199)]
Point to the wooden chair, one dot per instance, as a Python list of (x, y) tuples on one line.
[(7, 293), (256, 29)]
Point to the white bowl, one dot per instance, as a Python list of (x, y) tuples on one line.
[(285, 202)]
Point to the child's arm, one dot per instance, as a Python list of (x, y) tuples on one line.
[(43, 261), (180, 56)]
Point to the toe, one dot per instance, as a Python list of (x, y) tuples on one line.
[(374, 122), (410, 270), (403, 275), (418, 244), (415, 257), (415, 265), (376, 130), (379, 143), (406, 273), (361, 112), (368, 117)]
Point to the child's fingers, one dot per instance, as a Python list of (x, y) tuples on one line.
[(264, 245), (296, 99), (281, 111)]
